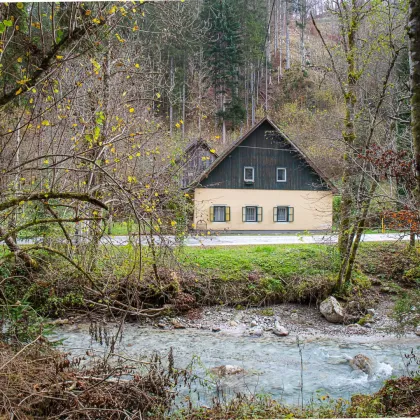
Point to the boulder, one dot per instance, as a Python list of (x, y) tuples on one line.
[(332, 310), (417, 331), (280, 331), (233, 323), (177, 325), (254, 323), (256, 332), (215, 328), (225, 370), (363, 363)]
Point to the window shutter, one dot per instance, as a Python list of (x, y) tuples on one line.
[(243, 214), (227, 214), (291, 215), (259, 214), (211, 214), (274, 214)]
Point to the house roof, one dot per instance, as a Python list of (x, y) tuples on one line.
[(226, 153), (196, 144)]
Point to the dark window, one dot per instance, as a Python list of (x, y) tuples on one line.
[(283, 214), (281, 175), (252, 214), (220, 214), (249, 174)]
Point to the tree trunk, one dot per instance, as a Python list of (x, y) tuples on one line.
[(414, 36), (355, 239), (171, 81), (16, 250), (287, 22)]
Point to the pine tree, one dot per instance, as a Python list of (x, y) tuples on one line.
[(224, 57)]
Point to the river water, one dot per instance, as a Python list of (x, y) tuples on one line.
[(273, 365)]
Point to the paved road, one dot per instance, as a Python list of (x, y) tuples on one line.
[(232, 240)]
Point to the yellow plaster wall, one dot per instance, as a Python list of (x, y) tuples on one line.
[(312, 209)]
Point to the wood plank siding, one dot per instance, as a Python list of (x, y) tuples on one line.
[(264, 149)]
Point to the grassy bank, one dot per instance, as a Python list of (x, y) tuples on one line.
[(186, 277)]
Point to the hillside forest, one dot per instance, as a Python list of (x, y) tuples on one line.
[(99, 100)]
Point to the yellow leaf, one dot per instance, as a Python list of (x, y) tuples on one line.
[(59, 57), (46, 161), (173, 223), (19, 60), (19, 91), (137, 66), (19, 5), (96, 20), (158, 95), (45, 122), (131, 110), (212, 151)]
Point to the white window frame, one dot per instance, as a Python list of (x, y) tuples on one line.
[(277, 175), (253, 174)]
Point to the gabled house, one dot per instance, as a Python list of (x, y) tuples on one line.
[(263, 182)]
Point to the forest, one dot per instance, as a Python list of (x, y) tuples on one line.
[(99, 102)]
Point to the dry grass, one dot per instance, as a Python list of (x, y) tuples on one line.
[(38, 382)]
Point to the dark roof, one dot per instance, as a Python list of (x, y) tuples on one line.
[(222, 157), (195, 144)]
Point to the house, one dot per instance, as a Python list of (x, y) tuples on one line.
[(263, 182), (195, 159)]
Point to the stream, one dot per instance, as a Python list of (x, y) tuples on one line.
[(272, 365)]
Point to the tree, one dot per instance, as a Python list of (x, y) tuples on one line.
[(414, 36), (356, 19), (224, 56)]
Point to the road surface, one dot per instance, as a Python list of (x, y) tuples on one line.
[(235, 240)]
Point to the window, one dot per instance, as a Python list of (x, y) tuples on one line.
[(249, 174), (281, 175), (220, 214), (283, 214), (252, 214)]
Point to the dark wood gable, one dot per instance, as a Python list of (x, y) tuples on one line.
[(265, 149), (195, 160)]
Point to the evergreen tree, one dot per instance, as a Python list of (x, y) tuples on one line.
[(224, 56)]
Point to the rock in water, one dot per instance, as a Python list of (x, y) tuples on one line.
[(363, 363), (226, 370), (332, 310), (256, 332), (417, 331), (279, 330)]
